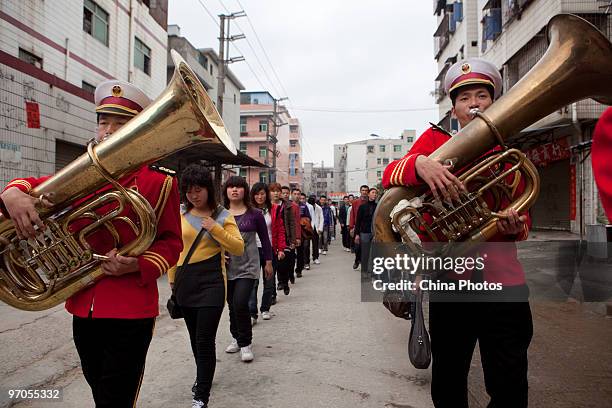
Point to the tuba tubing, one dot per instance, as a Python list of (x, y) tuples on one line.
[(577, 65), (182, 116)]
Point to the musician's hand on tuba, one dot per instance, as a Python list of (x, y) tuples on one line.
[(513, 224), (118, 265), (22, 210), (438, 178)]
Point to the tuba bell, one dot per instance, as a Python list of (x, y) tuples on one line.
[(576, 65), (41, 272)]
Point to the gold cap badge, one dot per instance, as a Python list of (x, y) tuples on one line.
[(117, 91)]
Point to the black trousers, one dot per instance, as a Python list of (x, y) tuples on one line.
[(202, 324), (238, 294), (269, 287), (345, 237), (299, 257), (113, 354), (285, 267), (357, 250), (316, 237), (503, 332)]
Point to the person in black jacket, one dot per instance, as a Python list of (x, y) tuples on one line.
[(363, 227), (342, 219)]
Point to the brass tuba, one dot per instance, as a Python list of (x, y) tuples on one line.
[(41, 272), (576, 65)]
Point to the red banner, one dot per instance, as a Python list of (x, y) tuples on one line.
[(573, 192), (547, 153), (33, 115)]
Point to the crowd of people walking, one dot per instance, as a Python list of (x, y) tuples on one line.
[(265, 236)]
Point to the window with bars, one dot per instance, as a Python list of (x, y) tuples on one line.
[(30, 58), (142, 56), (243, 125), (292, 143), (87, 87), (263, 151), (397, 148), (263, 176), (382, 148), (95, 21), (243, 147), (243, 173), (263, 125)]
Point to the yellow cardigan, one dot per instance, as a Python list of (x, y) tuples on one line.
[(228, 236)]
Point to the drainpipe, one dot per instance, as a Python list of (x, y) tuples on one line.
[(66, 61), (130, 76)]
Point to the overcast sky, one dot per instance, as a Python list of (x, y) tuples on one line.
[(332, 55)]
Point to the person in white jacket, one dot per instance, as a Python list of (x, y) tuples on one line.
[(317, 227)]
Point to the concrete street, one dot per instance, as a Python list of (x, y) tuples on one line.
[(322, 348)]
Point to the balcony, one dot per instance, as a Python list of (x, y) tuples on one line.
[(441, 36)]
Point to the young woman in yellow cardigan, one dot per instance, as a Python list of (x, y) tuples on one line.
[(200, 286)]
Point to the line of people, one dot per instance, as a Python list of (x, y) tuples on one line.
[(355, 218), (266, 231)]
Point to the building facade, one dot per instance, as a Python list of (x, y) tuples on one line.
[(205, 63), (364, 161), (270, 135), (512, 35), (52, 56), (318, 180)]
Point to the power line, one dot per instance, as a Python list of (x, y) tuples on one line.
[(253, 50), (264, 50)]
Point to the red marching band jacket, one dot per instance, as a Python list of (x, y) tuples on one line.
[(501, 263), (133, 295)]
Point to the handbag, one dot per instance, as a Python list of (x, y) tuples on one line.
[(174, 310), (419, 345)]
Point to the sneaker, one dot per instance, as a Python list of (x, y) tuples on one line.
[(324, 253), (299, 275), (233, 347), (356, 265), (253, 321), (307, 267), (266, 315), (246, 353), (286, 290), (317, 262), (198, 404)]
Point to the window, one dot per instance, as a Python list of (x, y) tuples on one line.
[(263, 151), (95, 21), (378, 161), (263, 176), (386, 160), (211, 70), (30, 58), (203, 60), (87, 87), (379, 174), (409, 139), (243, 173), (397, 148), (397, 158), (243, 147), (234, 99), (293, 128), (381, 148), (292, 143), (370, 149), (263, 125), (142, 56), (243, 125)]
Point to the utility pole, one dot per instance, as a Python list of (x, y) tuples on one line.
[(224, 41), (274, 139)]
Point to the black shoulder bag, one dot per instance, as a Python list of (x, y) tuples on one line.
[(419, 346), (173, 308)]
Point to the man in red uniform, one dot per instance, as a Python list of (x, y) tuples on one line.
[(602, 165), (502, 329), (113, 319)]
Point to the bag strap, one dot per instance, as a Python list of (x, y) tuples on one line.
[(200, 235)]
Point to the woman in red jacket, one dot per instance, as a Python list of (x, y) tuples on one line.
[(260, 198)]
